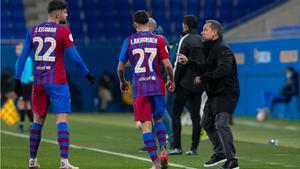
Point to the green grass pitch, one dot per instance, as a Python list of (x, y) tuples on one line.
[(110, 141)]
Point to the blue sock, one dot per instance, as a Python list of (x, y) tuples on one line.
[(151, 145), (160, 130), (35, 139), (63, 139)]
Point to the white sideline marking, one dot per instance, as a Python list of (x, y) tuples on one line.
[(269, 126), (266, 162), (95, 149)]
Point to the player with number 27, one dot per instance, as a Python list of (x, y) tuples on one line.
[(146, 52)]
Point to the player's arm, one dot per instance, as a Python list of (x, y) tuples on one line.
[(21, 63), (123, 58), (72, 53), (163, 53), (23, 57)]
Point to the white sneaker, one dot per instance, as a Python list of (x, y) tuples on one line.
[(155, 167), (67, 166), (33, 164)]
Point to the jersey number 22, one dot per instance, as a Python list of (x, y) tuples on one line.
[(46, 56)]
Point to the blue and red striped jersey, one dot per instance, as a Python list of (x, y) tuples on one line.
[(145, 52), (49, 41)]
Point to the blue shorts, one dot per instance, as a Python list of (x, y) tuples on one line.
[(57, 95), (148, 107)]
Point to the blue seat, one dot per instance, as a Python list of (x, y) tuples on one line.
[(139, 5), (193, 7)]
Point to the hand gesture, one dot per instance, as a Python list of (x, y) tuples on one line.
[(124, 86), (197, 80), (182, 58), (170, 86)]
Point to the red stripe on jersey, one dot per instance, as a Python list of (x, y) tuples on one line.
[(146, 67), (140, 74), (48, 71), (43, 72), (153, 82), (159, 74), (39, 74)]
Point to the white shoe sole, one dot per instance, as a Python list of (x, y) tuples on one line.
[(214, 164), (236, 168)]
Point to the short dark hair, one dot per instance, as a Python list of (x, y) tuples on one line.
[(216, 26), (191, 21), (140, 17), (57, 5)]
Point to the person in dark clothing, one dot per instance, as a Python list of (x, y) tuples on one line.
[(190, 45), (288, 91), (7, 83), (221, 76)]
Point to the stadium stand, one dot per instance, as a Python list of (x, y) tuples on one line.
[(96, 19)]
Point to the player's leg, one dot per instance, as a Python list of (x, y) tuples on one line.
[(143, 112), (60, 99), (160, 129), (40, 103)]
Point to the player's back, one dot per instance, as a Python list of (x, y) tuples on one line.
[(146, 52), (49, 40)]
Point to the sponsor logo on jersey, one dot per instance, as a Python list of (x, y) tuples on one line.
[(43, 68), (148, 78)]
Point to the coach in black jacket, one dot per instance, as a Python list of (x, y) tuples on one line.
[(223, 92), (191, 45)]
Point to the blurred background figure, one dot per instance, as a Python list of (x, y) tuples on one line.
[(24, 102), (75, 94), (7, 83), (106, 88), (287, 92)]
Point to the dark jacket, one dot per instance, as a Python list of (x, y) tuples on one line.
[(220, 75), (191, 46), (291, 88)]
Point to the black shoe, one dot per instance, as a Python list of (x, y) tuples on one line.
[(191, 152), (175, 151), (143, 149), (232, 164), (214, 160)]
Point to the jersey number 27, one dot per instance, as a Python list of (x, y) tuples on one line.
[(138, 67)]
